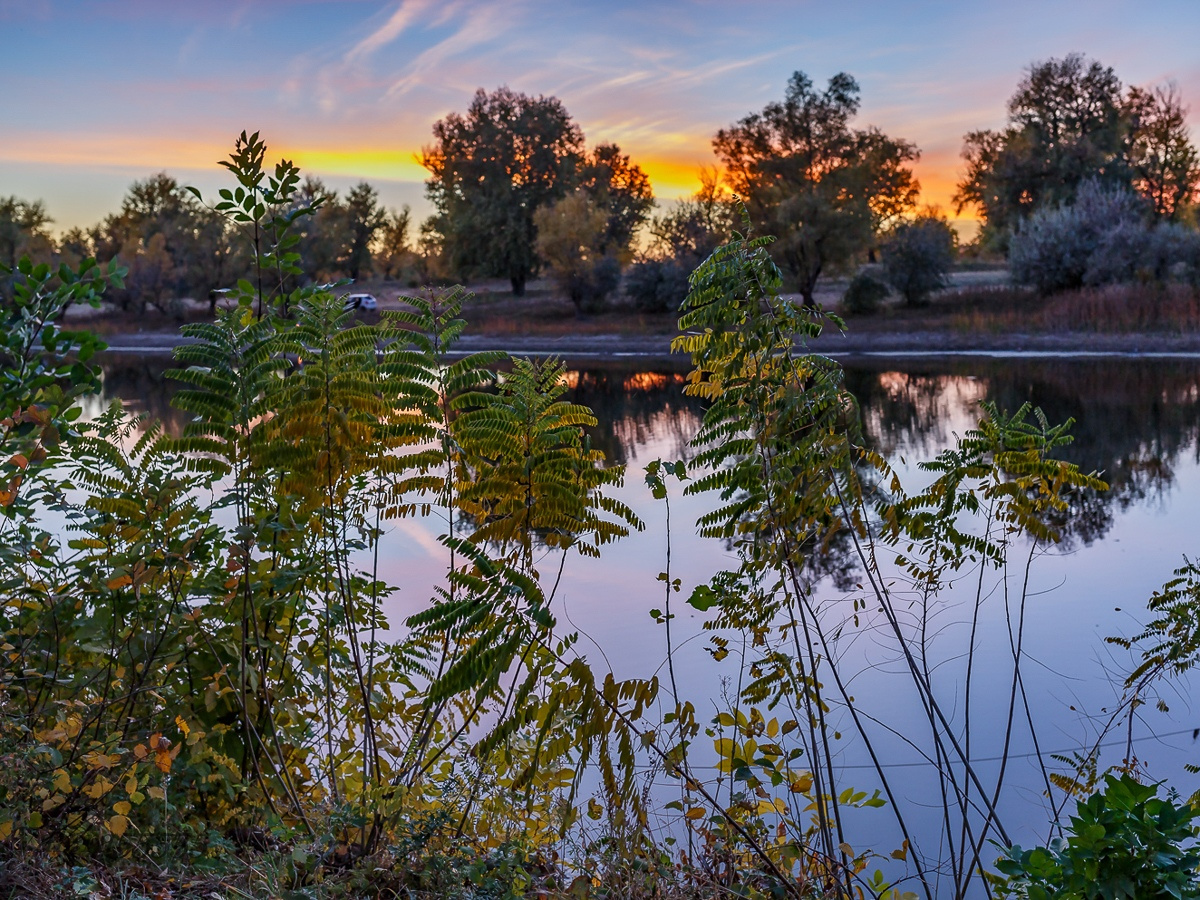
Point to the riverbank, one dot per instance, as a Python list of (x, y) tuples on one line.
[(976, 317), (832, 343)]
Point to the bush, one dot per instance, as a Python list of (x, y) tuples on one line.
[(1102, 238), (589, 287), (657, 285), (1123, 842), (917, 258), (864, 294)]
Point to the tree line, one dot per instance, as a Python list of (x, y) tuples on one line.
[(1090, 182)]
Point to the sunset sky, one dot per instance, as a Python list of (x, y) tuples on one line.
[(97, 94)]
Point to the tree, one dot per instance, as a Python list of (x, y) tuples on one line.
[(324, 235), (364, 218), (917, 257), (810, 179), (492, 169), (573, 238), (174, 245), (621, 189), (23, 232), (1166, 167), (680, 240), (1070, 122), (393, 248)]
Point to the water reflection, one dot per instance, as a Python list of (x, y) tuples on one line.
[(1134, 419)]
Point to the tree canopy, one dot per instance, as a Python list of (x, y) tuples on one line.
[(806, 176), (491, 169), (1071, 121)]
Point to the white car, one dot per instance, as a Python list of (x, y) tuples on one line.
[(360, 301)]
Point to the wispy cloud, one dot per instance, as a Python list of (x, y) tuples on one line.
[(407, 13), (480, 27)]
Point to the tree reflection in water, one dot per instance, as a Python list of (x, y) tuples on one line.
[(1134, 418)]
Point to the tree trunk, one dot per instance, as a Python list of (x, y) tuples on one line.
[(518, 284)]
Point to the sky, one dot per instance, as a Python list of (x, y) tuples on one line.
[(98, 93)]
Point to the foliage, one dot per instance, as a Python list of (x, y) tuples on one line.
[(1070, 123), (571, 237), (807, 177), (199, 663), (864, 294), (1124, 842), (204, 656), (780, 449), (917, 256), (23, 232), (491, 170), (1101, 238), (680, 240), (172, 244)]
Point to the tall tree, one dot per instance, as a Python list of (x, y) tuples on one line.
[(364, 218), (1166, 167), (491, 170), (806, 176), (1070, 122), (621, 189)]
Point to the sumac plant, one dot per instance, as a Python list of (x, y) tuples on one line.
[(197, 662)]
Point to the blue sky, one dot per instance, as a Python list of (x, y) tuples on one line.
[(98, 93)]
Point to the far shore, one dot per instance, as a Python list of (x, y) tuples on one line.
[(980, 314), (875, 343)]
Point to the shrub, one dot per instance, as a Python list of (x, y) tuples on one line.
[(656, 285), (1123, 842), (1066, 247), (917, 258), (864, 294)]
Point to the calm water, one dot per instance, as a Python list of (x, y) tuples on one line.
[(1137, 422)]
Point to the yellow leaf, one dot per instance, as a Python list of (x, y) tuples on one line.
[(131, 785), (62, 781), (122, 807), (119, 582), (5, 829), (769, 806), (802, 784), (594, 809), (98, 788), (117, 825), (53, 802), (696, 812), (772, 728), (183, 726), (140, 751), (157, 793)]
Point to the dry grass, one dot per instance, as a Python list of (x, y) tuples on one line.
[(1172, 309)]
